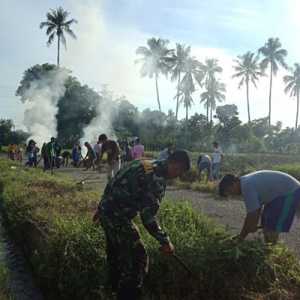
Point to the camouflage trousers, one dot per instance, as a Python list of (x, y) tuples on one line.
[(126, 257)]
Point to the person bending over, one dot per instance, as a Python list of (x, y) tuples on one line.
[(270, 196), (137, 188)]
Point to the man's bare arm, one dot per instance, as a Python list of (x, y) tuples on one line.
[(250, 223)]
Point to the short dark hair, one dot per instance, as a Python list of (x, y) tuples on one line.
[(182, 157), (216, 144), (102, 137), (227, 181)]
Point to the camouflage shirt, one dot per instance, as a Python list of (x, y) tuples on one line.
[(137, 188)]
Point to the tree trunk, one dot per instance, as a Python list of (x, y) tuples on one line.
[(157, 92), (177, 100), (211, 112), (248, 104), (297, 114), (186, 113), (270, 94), (186, 125), (207, 112), (58, 49)]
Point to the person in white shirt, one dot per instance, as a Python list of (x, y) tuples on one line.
[(217, 157)]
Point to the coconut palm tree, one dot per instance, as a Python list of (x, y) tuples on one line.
[(248, 71), (214, 92), (157, 59), (185, 97), (182, 53), (193, 75), (57, 24), (210, 68), (293, 87), (274, 56)]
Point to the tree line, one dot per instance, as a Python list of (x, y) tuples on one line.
[(80, 105), (77, 107), (158, 59)]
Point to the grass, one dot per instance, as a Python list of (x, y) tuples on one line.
[(241, 164), (5, 293), (52, 219)]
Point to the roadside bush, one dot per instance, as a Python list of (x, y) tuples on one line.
[(52, 220)]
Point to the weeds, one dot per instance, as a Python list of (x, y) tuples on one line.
[(66, 250)]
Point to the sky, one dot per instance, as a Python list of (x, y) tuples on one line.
[(109, 33)]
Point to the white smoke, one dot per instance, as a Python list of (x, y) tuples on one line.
[(103, 122), (41, 105)]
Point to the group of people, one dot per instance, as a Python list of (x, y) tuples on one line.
[(50, 153), (118, 153), (53, 156), (95, 154), (131, 150)]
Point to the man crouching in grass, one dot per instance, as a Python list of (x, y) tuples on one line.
[(273, 196), (137, 188)]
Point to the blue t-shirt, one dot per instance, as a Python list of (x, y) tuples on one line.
[(260, 188)]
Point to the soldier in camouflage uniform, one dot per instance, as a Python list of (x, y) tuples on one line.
[(137, 188)]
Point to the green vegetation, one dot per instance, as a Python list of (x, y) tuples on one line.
[(240, 164), (52, 219), (4, 276), (8, 135), (57, 25), (156, 128)]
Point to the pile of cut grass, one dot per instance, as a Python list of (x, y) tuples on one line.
[(52, 220)]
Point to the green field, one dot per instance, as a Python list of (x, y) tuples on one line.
[(52, 219)]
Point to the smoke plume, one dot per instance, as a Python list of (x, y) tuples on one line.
[(41, 105), (103, 122)]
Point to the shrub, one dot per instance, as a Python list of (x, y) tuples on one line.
[(53, 222)]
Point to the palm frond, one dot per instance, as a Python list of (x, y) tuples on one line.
[(70, 32), (47, 23), (50, 39)]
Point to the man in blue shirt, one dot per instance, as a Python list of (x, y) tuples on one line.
[(273, 196)]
